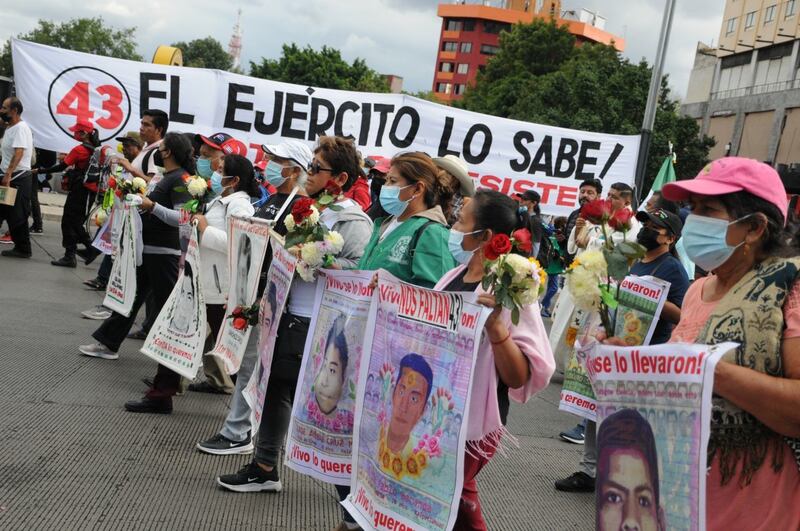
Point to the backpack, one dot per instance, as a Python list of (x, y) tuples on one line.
[(99, 169)]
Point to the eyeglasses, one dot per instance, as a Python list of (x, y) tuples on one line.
[(315, 168)]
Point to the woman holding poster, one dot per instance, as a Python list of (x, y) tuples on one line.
[(513, 360), (335, 159), (752, 297), (159, 270)]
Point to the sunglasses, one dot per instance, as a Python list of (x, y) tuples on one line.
[(315, 168)]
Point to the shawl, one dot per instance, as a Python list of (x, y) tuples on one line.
[(751, 314)]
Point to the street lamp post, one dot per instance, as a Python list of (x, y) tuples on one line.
[(652, 96)]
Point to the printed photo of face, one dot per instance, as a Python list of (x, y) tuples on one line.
[(627, 475), (243, 261), (183, 315), (329, 382), (409, 397)]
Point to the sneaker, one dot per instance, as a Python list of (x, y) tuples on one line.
[(221, 445), (546, 314), (92, 283), (162, 406), (577, 482), (88, 255), (96, 350), (15, 253), (65, 261), (98, 313), (139, 334), (6, 238), (36, 230), (251, 478), (576, 435)]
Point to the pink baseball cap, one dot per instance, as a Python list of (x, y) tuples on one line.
[(733, 174)]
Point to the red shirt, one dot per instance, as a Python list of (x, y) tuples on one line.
[(359, 193), (79, 157)]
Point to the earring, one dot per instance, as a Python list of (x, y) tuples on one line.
[(746, 248)]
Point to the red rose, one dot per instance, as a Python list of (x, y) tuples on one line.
[(240, 323), (621, 219), (301, 209), (597, 211), (112, 182), (522, 240), (208, 184), (333, 189), (237, 311), (500, 244), (118, 193)]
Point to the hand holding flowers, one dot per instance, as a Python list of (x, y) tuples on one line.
[(514, 280)]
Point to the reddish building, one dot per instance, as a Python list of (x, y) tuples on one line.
[(470, 35)]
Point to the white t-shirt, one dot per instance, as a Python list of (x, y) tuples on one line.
[(389, 228), (17, 136), (138, 163)]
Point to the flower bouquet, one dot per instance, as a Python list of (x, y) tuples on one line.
[(310, 240), (594, 278), (123, 187), (200, 190), (516, 281), (244, 316)]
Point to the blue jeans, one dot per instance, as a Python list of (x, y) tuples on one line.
[(237, 423), (552, 289)]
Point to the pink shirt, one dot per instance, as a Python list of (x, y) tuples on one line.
[(772, 500), (531, 338)]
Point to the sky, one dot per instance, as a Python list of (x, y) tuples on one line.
[(394, 36)]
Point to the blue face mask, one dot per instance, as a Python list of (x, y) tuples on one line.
[(216, 183), (705, 241), (273, 174), (454, 244), (204, 168), (391, 202)]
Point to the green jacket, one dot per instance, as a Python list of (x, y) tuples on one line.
[(432, 258)]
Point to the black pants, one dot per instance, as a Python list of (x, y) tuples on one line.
[(17, 216), (279, 398), (36, 208), (73, 221), (157, 276)]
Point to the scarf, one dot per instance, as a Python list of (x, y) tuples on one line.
[(751, 314)]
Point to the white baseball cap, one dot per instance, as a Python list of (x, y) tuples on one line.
[(456, 167), (293, 150)]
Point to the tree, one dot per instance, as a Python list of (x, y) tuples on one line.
[(205, 53), (89, 35), (428, 95), (323, 69), (539, 75)]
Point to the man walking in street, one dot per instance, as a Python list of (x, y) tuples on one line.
[(16, 151)]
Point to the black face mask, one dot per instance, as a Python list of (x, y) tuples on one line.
[(5, 116), (649, 238), (158, 158)]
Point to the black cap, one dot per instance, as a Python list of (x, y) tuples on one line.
[(530, 195), (662, 218)]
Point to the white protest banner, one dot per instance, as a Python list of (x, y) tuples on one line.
[(58, 87), (121, 287), (320, 439), (411, 407), (279, 282), (641, 300), (178, 335), (247, 245), (653, 417)]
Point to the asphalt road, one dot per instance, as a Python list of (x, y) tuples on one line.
[(72, 458)]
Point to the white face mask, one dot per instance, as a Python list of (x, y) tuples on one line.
[(705, 240)]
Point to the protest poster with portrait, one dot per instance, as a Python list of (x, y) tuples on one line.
[(640, 301), (320, 436), (177, 337), (408, 446), (121, 287), (276, 293), (247, 245), (653, 416)]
